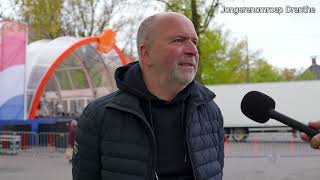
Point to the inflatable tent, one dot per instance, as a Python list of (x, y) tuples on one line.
[(63, 75)]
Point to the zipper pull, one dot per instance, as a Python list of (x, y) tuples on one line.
[(156, 175)]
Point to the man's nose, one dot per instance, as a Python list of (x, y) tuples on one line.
[(190, 49)]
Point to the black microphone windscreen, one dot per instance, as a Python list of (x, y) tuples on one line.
[(256, 105)]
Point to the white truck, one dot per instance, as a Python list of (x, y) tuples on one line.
[(299, 100)]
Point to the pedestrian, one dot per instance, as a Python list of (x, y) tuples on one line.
[(71, 139), (161, 123)]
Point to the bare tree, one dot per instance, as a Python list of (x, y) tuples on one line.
[(49, 19), (91, 17)]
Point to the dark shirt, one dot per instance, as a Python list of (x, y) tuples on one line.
[(173, 157)]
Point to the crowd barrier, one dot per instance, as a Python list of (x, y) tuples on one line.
[(256, 145), (45, 141), (273, 145), (10, 144)]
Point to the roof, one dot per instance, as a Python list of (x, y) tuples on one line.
[(315, 68)]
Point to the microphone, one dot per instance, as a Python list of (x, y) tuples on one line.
[(260, 108)]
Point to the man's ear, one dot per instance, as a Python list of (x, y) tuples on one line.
[(145, 55)]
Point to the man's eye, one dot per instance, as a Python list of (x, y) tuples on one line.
[(178, 40), (195, 43)]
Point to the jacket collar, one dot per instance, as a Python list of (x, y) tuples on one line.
[(126, 100), (201, 94)]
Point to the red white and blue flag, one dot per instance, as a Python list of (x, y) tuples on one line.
[(12, 70)]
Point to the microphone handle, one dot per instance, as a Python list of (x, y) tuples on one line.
[(293, 123)]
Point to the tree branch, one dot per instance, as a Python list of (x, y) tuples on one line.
[(169, 6), (210, 14)]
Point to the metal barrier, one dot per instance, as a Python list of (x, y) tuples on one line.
[(272, 145), (47, 142), (54, 141), (9, 144)]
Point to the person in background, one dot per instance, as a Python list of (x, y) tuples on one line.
[(314, 141), (71, 139), (161, 123)]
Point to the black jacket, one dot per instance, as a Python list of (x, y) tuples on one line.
[(116, 141)]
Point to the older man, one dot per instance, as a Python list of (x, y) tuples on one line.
[(161, 123)]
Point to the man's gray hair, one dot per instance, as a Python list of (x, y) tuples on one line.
[(143, 32)]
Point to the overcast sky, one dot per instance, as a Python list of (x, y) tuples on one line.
[(285, 39)]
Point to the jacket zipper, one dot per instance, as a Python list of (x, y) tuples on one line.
[(148, 127), (188, 144), (155, 172)]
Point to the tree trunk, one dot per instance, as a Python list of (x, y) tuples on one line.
[(195, 19)]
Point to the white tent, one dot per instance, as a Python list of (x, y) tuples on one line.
[(64, 74)]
